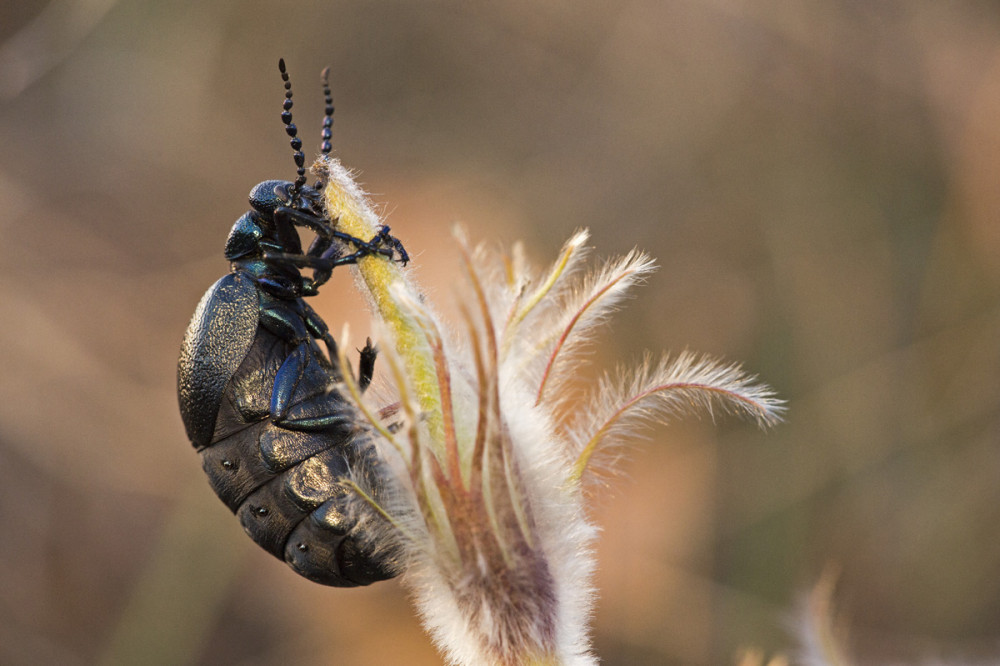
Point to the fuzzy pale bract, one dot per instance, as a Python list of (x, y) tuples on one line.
[(487, 448)]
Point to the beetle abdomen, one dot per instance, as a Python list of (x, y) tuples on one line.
[(283, 475)]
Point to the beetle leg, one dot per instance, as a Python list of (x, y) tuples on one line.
[(321, 245), (287, 218), (324, 256), (305, 261), (285, 215), (366, 366), (381, 243), (279, 320), (317, 327), (303, 398), (383, 237), (286, 382)]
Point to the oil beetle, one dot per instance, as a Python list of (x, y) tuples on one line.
[(259, 398)]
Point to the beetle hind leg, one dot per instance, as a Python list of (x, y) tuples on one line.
[(366, 365)]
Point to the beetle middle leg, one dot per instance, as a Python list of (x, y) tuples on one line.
[(302, 398)]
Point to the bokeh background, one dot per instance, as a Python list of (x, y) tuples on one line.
[(819, 181)]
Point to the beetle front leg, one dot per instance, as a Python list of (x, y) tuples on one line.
[(383, 237), (291, 217)]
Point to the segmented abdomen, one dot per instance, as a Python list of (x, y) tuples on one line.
[(279, 462)]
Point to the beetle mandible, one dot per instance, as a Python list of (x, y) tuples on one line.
[(260, 399)]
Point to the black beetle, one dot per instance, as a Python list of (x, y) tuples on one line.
[(259, 398)]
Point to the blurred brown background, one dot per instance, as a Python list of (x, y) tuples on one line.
[(819, 181)]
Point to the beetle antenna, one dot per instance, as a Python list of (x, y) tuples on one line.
[(325, 147), (292, 131)]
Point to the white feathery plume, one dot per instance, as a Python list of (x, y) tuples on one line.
[(586, 308), (620, 405), (482, 478)]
